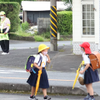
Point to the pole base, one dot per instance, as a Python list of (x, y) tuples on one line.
[(53, 42)]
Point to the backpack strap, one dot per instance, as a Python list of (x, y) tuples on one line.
[(40, 60), (90, 60)]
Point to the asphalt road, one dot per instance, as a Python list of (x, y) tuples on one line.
[(62, 60), (14, 44), (61, 71), (56, 78), (26, 97), (40, 97)]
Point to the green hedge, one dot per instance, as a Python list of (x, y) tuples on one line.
[(12, 12), (64, 22)]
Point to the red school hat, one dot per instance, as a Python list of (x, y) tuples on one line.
[(86, 46)]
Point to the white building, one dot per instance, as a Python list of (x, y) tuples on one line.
[(86, 23)]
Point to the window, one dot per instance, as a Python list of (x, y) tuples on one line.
[(88, 19)]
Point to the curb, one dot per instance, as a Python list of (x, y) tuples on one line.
[(16, 37), (53, 89)]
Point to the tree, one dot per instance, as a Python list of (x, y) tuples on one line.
[(19, 1), (67, 1), (29, 0)]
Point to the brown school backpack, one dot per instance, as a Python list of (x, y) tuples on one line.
[(95, 60)]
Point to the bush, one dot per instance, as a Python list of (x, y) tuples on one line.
[(20, 32), (46, 35), (64, 22), (12, 12), (25, 26), (38, 38)]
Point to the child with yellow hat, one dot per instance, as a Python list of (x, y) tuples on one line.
[(44, 84)]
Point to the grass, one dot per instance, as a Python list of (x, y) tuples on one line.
[(20, 32), (39, 38), (46, 35)]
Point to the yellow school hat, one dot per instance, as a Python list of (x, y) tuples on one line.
[(42, 47), (2, 13)]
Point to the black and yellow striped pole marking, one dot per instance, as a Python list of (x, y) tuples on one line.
[(53, 21)]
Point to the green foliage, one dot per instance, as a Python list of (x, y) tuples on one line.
[(29, 0), (46, 34), (19, 1), (20, 32), (67, 1), (12, 12), (64, 22), (38, 38), (25, 26)]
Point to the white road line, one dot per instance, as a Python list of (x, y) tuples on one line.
[(5, 73), (12, 71)]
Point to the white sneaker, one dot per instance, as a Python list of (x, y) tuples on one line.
[(4, 53)]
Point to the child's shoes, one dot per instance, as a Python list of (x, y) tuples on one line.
[(33, 97), (91, 98), (87, 97), (47, 98)]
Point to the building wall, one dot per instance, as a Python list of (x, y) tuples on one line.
[(32, 16), (78, 38), (99, 25), (76, 20)]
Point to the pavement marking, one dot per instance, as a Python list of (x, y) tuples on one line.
[(12, 78), (57, 80), (61, 80), (5, 73), (26, 78), (12, 71)]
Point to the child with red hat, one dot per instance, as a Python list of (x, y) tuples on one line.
[(90, 76)]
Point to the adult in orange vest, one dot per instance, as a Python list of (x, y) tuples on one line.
[(4, 26)]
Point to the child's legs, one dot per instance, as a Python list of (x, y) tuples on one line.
[(32, 91), (87, 88), (44, 92), (90, 89)]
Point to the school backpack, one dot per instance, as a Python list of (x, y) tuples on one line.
[(29, 66), (95, 60)]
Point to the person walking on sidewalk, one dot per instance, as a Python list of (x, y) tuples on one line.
[(90, 76), (44, 84), (5, 26)]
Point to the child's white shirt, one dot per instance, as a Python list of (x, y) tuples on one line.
[(86, 58), (44, 60)]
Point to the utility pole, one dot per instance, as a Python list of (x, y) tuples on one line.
[(53, 25)]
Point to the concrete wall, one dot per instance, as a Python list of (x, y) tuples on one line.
[(24, 16), (43, 24), (78, 37)]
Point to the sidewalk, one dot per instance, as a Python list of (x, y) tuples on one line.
[(40, 97), (61, 71)]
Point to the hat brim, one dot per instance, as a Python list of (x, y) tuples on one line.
[(44, 49), (2, 14), (80, 45)]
